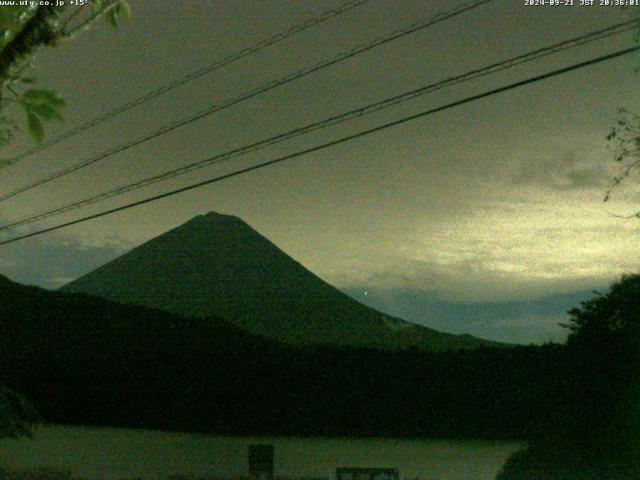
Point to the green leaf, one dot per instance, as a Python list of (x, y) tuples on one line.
[(34, 125), (5, 36), (119, 11), (125, 10), (112, 17), (47, 112), (98, 5), (42, 96)]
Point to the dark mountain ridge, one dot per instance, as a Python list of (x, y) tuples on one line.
[(89, 361), (218, 265)]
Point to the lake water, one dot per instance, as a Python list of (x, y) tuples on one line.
[(122, 453)]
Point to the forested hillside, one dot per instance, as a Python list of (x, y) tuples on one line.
[(83, 360)]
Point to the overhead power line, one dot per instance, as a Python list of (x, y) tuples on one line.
[(334, 120), (216, 65), (395, 35), (323, 146)]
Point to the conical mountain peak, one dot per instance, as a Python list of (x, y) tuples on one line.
[(216, 264), (216, 217)]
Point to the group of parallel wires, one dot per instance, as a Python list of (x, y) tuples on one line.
[(464, 8)]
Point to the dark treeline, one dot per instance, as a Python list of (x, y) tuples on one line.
[(82, 360), (594, 433)]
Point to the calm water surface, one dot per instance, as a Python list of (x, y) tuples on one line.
[(122, 453)]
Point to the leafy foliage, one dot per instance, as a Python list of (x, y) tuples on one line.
[(40, 106), (597, 433), (566, 462), (17, 415), (611, 318), (12, 20), (22, 31), (625, 137), (117, 13), (8, 127)]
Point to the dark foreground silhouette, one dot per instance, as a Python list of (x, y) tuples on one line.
[(595, 435), (83, 360)]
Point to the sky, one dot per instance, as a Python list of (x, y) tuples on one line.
[(486, 218)]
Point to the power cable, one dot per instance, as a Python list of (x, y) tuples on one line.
[(334, 120), (216, 65), (253, 93), (323, 146)]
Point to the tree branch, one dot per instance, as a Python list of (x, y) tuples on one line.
[(37, 31)]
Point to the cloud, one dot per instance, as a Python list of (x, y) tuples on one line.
[(521, 321), (573, 170), (478, 280), (496, 254), (51, 261)]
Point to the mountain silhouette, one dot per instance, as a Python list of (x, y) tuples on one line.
[(90, 361), (87, 360), (218, 265)]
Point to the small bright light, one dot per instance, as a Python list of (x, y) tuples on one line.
[(366, 293)]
